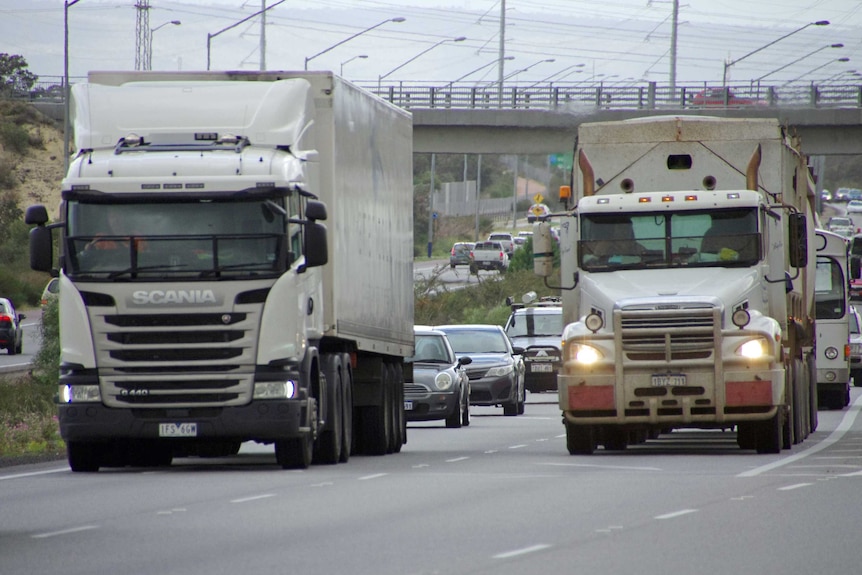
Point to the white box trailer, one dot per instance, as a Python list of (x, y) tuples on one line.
[(258, 337)]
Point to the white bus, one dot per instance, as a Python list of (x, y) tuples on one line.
[(832, 310)]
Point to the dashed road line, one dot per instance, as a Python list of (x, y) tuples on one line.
[(794, 486), (253, 498), (65, 531), (456, 459), (675, 514), (375, 476), (524, 551)]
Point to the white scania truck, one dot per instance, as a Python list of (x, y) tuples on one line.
[(202, 302), (687, 286)]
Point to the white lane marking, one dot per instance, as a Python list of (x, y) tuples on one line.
[(517, 446), (838, 456), (675, 514), (375, 476), (455, 460), (794, 486), (253, 498), (323, 484), (33, 474), (541, 440), (844, 426), (854, 474), (65, 531), (491, 451), (524, 551), (420, 466), (609, 529), (627, 467)]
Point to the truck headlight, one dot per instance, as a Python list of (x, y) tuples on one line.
[(443, 381), (275, 389), (500, 371), (585, 354), (80, 394), (831, 353), (753, 348)]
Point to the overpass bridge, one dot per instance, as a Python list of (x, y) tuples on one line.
[(543, 118)]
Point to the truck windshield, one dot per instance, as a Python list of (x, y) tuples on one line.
[(202, 239), (719, 238)]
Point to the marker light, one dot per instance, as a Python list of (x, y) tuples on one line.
[(594, 322), (741, 318)]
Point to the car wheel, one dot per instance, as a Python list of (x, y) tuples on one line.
[(465, 414), (857, 378), (20, 348)]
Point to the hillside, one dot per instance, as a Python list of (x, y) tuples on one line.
[(38, 172)]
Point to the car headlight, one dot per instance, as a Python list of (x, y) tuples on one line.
[(753, 348), (275, 389), (80, 394), (443, 381), (500, 371), (584, 354)]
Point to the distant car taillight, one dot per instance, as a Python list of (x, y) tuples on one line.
[(501, 256)]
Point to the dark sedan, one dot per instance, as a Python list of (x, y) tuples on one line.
[(439, 387), (497, 370), (11, 333)]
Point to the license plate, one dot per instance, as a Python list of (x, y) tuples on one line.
[(542, 367), (408, 406), (668, 380), (178, 429)]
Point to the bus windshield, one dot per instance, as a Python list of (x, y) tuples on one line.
[(726, 238)]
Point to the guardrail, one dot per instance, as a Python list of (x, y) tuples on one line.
[(573, 95), (556, 96)]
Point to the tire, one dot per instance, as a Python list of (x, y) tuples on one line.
[(376, 420), (746, 436), (465, 413), (12, 349), (615, 439), (857, 378), (580, 439), (522, 400), (327, 449), (770, 434), (20, 347), (399, 417), (84, 456), (294, 453), (347, 447), (453, 421)]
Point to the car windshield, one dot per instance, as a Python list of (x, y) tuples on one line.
[(533, 324), (718, 238), (181, 239), (477, 341), (430, 348)]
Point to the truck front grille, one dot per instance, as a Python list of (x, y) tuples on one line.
[(668, 335)]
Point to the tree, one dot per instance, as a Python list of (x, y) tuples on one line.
[(15, 79)]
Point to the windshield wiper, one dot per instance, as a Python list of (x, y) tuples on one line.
[(134, 270), (263, 267)]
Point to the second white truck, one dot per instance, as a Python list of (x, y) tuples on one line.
[(203, 300), (687, 284)]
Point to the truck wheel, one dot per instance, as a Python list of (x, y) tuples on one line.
[(746, 436), (347, 447), (294, 453), (769, 434), (328, 447), (580, 439), (615, 439), (83, 456), (399, 422)]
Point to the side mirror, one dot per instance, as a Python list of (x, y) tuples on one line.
[(543, 250), (315, 210), (36, 215), (798, 228), (465, 360), (41, 250), (316, 250)]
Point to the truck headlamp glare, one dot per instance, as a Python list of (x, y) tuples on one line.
[(831, 353), (741, 318), (753, 349), (584, 354), (80, 394), (443, 381), (594, 322), (275, 389)]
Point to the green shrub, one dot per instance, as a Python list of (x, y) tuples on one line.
[(14, 138)]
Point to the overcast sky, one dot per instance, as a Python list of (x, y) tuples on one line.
[(609, 40)]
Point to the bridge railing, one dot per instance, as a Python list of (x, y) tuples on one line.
[(554, 96), (575, 95)]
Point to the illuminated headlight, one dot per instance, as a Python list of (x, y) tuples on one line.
[(500, 371), (443, 381), (80, 394), (275, 389), (741, 318), (584, 354), (753, 349), (831, 353)]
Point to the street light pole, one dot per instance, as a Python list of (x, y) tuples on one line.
[(732, 62), (148, 65), (516, 72), (482, 67), (349, 60), (310, 58), (425, 51), (66, 92), (799, 60), (234, 25), (817, 68)]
